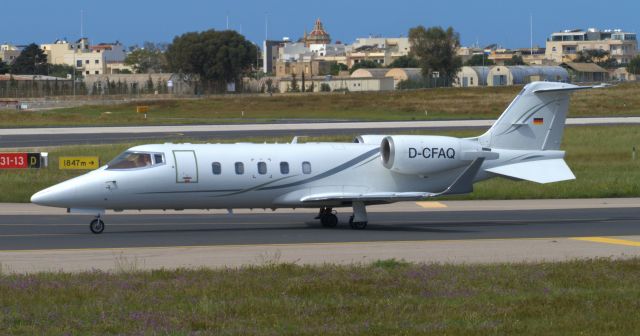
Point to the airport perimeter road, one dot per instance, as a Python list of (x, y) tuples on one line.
[(428, 232), (35, 137)]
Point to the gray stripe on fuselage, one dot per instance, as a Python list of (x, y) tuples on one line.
[(329, 172)]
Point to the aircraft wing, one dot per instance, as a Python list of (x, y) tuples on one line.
[(462, 184), (367, 197)]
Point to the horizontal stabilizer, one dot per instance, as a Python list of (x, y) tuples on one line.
[(542, 171)]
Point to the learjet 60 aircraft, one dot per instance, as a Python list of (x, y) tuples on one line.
[(523, 144)]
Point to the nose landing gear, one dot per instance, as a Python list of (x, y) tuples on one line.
[(97, 225)]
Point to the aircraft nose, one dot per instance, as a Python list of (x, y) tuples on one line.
[(48, 197), (78, 192)]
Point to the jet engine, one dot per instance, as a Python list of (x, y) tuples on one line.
[(425, 155)]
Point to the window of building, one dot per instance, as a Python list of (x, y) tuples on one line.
[(97, 61), (262, 168), (88, 72), (306, 167), (97, 72), (87, 62), (239, 168), (284, 168), (216, 168), (79, 63)]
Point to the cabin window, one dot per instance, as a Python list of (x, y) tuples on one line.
[(239, 168), (284, 168), (128, 160), (306, 167), (216, 168), (262, 168), (158, 158)]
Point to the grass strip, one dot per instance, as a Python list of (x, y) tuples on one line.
[(428, 104), (582, 297)]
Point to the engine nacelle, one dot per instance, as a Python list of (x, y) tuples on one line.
[(369, 139), (425, 155)]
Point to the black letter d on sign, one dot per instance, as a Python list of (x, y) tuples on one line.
[(412, 153)]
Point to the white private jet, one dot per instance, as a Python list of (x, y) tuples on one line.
[(524, 144)]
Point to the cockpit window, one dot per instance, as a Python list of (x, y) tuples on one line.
[(129, 160)]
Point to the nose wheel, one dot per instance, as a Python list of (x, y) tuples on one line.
[(97, 226)]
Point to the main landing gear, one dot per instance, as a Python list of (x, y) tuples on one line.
[(357, 221), (97, 225), (327, 217)]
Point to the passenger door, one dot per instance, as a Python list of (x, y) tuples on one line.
[(186, 166)]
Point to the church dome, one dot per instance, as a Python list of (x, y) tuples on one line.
[(318, 35)]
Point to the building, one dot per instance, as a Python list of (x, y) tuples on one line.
[(309, 66), (380, 50), (271, 53), (522, 74), (317, 36), (9, 53), (404, 74), (87, 59), (470, 76), (586, 72), (564, 46), (370, 73)]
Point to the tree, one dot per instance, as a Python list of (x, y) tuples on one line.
[(149, 59), (515, 60), (364, 64), (337, 67), (59, 70), (4, 68), (294, 84), (591, 56), (32, 61), (217, 57), (634, 65), (479, 60), (435, 48), (404, 62)]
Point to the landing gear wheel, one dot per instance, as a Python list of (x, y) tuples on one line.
[(357, 225), (97, 226), (329, 220)]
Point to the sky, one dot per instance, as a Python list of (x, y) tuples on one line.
[(506, 23)]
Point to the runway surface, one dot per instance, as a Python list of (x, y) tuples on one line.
[(36, 239), (37, 137), (71, 232)]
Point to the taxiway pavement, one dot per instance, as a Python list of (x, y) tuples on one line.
[(36, 239), (38, 137)]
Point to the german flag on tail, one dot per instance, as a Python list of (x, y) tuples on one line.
[(538, 121)]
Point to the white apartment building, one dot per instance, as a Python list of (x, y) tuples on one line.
[(563, 46), (9, 53), (87, 59)]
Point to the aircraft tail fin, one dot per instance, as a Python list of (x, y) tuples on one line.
[(535, 119)]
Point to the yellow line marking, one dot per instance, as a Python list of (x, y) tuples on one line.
[(605, 240), (431, 205)]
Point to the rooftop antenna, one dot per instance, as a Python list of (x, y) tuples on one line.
[(227, 21), (81, 23), (531, 31), (266, 26)]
